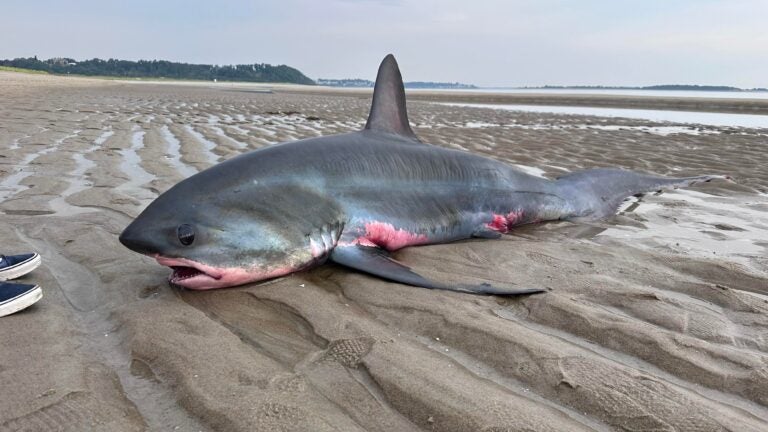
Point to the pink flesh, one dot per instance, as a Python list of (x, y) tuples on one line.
[(386, 236), (502, 223), (219, 277)]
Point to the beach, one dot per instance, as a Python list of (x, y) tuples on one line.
[(656, 319)]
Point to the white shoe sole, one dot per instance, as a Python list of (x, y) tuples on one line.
[(22, 302), (20, 270)]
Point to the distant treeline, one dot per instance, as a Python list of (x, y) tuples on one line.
[(257, 72), (654, 87), (357, 82)]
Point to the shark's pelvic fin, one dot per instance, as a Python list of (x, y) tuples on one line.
[(388, 113)]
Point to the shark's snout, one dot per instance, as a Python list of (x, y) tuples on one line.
[(134, 240)]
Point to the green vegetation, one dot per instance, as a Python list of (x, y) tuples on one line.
[(699, 88), (21, 70), (257, 72)]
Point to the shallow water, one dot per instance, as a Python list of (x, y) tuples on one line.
[(617, 92), (704, 118), (78, 180), (174, 153), (688, 222), (220, 132), (138, 178), (656, 130), (208, 145), (11, 185)]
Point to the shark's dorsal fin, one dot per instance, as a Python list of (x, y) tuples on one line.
[(388, 113)]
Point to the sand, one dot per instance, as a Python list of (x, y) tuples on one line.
[(654, 320)]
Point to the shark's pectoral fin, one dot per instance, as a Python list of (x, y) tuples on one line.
[(377, 262)]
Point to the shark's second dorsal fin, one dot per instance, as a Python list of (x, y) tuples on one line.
[(388, 113)]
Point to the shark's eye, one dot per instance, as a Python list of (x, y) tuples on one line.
[(186, 234)]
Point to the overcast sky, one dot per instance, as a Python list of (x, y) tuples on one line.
[(487, 43)]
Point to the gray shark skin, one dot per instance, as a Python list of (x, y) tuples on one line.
[(352, 198)]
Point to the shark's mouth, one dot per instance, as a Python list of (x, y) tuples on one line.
[(198, 276), (183, 273), (192, 274)]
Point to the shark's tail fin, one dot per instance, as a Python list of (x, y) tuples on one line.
[(597, 193)]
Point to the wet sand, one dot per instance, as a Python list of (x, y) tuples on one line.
[(655, 320)]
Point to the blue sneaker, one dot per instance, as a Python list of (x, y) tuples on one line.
[(13, 266), (15, 297)]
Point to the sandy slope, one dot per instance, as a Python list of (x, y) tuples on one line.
[(652, 321)]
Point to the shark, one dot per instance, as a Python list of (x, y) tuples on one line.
[(354, 198)]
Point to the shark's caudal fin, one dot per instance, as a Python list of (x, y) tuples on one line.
[(388, 113), (597, 193)]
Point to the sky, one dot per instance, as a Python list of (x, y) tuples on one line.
[(489, 43)]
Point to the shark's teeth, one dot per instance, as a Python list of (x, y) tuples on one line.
[(181, 273)]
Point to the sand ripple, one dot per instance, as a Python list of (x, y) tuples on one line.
[(656, 319)]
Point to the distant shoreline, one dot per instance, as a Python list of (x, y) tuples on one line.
[(479, 96)]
